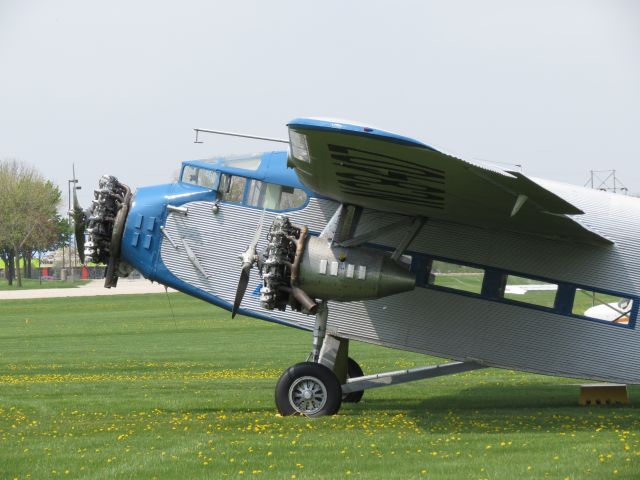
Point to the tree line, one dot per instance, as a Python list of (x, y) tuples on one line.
[(29, 219)]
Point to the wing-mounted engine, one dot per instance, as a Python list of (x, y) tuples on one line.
[(281, 268), (299, 269), (105, 225)]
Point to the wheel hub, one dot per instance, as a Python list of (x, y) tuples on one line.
[(307, 395)]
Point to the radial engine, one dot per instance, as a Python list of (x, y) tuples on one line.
[(299, 268)]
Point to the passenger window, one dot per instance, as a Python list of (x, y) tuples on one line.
[(601, 306), (456, 276), (530, 290), (232, 188), (275, 197)]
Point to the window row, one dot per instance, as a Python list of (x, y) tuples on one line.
[(251, 192), (499, 285), (256, 193)]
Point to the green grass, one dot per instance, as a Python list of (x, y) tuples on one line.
[(31, 284), (115, 387), (35, 263), (466, 283)]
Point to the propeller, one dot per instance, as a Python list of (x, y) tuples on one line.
[(79, 220), (249, 258)]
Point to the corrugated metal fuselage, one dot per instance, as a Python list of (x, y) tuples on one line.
[(425, 320)]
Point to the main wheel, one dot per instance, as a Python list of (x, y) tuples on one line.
[(309, 389), (353, 371)]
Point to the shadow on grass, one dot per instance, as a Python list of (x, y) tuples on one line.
[(479, 409), (517, 408)]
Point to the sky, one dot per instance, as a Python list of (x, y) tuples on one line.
[(117, 87)]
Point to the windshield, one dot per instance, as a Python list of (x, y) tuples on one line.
[(199, 176)]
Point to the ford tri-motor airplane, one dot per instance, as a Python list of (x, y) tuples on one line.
[(355, 233)]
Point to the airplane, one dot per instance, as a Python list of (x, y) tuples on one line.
[(357, 233)]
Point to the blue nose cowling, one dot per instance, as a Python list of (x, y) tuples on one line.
[(148, 211)]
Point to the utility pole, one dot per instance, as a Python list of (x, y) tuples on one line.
[(73, 181)]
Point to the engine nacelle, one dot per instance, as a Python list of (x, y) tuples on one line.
[(349, 274), (298, 268)]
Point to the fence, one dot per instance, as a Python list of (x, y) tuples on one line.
[(68, 273)]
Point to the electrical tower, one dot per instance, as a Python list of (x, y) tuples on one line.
[(607, 181)]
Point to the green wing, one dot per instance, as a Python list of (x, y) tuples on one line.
[(386, 172)]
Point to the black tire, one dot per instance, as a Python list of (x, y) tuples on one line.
[(313, 379), (353, 371)]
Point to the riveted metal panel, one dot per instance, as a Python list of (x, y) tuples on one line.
[(443, 323)]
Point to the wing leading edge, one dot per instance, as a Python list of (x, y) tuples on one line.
[(388, 172)]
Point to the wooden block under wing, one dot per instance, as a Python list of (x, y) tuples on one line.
[(603, 394)]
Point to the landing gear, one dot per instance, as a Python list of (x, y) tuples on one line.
[(309, 389), (353, 371), (314, 388), (319, 386)]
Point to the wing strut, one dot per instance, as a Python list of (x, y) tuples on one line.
[(409, 235)]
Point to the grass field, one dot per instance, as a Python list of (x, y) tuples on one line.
[(116, 387), (31, 284)]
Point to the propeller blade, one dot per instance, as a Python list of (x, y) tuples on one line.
[(256, 236), (242, 287), (249, 257)]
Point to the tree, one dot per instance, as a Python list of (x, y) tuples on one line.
[(28, 212)]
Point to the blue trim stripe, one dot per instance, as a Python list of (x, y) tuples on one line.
[(352, 129)]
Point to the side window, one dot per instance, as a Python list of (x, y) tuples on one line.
[(207, 178), (232, 188), (292, 198), (275, 197), (456, 276), (601, 306), (256, 193), (530, 290)]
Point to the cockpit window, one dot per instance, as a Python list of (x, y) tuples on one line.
[(275, 197), (232, 188), (199, 176)]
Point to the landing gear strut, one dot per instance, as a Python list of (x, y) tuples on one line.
[(319, 386)]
